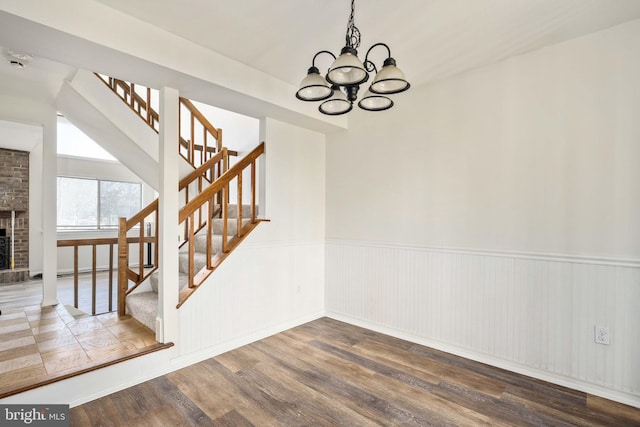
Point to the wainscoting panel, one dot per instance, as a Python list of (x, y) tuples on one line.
[(532, 311), (261, 289)]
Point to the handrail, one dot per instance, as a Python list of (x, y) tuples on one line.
[(202, 119), (187, 214), (132, 98), (125, 273), (220, 183), (208, 166), (198, 149)]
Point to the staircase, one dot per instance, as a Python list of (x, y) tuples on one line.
[(212, 227), (144, 305)]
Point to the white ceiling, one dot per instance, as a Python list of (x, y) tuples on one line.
[(430, 39)]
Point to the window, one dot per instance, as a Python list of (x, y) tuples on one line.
[(72, 142), (92, 204)]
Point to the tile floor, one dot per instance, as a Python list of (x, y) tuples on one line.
[(40, 344)]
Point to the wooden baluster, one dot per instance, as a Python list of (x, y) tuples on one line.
[(205, 154), (131, 97), (155, 240), (192, 146), (239, 232), (141, 248), (123, 263), (149, 120), (75, 276), (191, 224), (225, 218), (111, 277), (209, 234), (253, 192), (93, 280)]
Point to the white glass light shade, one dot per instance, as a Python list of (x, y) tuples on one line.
[(337, 104), (347, 69), (390, 79), (313, 87), (373, 102)]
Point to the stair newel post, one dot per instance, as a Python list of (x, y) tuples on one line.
[(123, 253), (239, 209)]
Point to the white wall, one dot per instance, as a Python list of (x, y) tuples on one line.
[(41, 114), (275, 279), (494, 214)]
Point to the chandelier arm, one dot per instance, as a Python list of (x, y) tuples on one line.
[(366, 57), (313, 62), (370, 66)]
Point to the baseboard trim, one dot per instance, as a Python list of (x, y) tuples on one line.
[(209, 352), (593, 389)]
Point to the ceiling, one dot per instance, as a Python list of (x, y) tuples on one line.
[(430, 39)]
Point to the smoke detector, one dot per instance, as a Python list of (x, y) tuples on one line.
[(18, 59)]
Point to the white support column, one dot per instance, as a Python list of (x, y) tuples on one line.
[(49, 208), (262, 171), (167, 328)]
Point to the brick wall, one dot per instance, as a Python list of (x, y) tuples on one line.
[(14, 195)]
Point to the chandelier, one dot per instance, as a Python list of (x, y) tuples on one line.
[(339, 88)]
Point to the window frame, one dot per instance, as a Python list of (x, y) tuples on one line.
[(98, 226)]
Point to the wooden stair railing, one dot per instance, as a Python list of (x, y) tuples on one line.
[(201, 177), (76, 244), (198, 139), (125, 273), (211, 170), (127, 92), (189, 214)]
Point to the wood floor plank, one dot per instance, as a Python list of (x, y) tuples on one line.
[(232, 419), (187, 409), (439, 371), (329, 373), (620, 412), (207, 386), (336, 378)]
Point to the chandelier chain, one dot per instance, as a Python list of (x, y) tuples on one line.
[(353, 33)]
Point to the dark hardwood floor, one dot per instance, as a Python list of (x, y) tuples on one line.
[(329, 373)]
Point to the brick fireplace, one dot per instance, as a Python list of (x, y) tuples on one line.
[(14, 198)]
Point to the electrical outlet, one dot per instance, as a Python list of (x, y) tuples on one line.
[(601, 335)]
